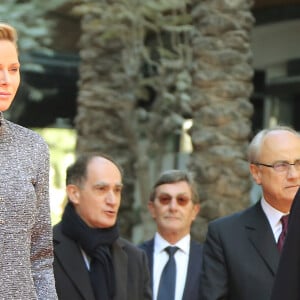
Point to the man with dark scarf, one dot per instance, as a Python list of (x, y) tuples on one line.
[(91, 261)]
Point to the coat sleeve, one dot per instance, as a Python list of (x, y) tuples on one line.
[(147, 281), (41, 236), (214, 274)]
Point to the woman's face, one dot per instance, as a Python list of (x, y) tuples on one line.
[(9, 73)]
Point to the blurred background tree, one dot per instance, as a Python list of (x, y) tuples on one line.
[(146, 68)]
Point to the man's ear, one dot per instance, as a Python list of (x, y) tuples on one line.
[(256, 173), (196, 210), (151, 209), (73, 193)]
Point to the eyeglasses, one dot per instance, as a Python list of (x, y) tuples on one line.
[(165, 199), (281, 166)]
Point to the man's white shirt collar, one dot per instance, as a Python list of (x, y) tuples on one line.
[(160, 243), (273, 215), (161, 257)]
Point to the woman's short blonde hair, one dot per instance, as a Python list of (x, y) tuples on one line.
[(7, 32)]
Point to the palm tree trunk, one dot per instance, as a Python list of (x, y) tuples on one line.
[(222, 85)]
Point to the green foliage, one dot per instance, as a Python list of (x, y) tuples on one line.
[(34, 28), (61, 144)]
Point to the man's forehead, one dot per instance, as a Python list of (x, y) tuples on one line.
[(104, 170), (106, 183), (178, 187), (175, 184)]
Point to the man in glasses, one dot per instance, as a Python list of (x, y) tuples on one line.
[(241, 251), (174, 205)]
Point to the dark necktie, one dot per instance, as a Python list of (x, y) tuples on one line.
[(166, 290), (284, 223)]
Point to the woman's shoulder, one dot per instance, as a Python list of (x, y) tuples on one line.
[(28, 140), (22, 132)]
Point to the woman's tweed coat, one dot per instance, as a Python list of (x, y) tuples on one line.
[(25, 229)]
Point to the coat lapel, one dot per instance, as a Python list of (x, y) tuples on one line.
[(261, 236), (70, 257), (193, 271), (120, 261)]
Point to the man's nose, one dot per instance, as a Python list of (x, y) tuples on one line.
[(111, 197), (173, 203), (293, 171)]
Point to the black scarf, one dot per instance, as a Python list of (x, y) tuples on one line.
[(96, 243)]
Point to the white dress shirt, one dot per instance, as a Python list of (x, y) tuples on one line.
[(160, 258), (86, 259), (273, 216)]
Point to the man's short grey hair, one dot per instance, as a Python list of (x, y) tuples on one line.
[(256, 143), (173, 176)]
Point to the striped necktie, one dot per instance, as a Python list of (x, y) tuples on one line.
[(284, 223)]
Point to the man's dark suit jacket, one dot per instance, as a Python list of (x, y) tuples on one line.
[(192, 284), (72, 276), (240, 257), (287, 281)]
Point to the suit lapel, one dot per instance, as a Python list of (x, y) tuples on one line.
[(194, 266), (120, 261), (70, 257), (261, 236)]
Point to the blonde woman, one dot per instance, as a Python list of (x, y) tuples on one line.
[(25, 230)]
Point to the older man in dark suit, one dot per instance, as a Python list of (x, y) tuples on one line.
[(91, 261), (241, 251), (174, 204)]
